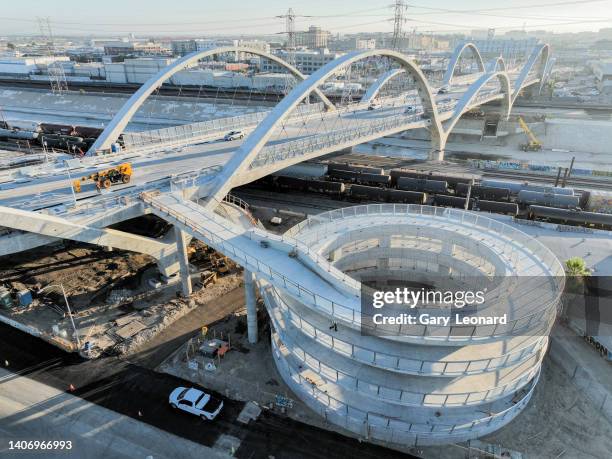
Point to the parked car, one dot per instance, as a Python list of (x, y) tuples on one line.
[(443, 90), (233, 135), (374, 106), (196, 402)]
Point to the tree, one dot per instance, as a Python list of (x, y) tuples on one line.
[(576, 267), (576, 271)]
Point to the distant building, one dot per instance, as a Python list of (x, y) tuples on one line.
[(313, 38), (12, 65), (136, 70), (132, 48), (307, 61), (182, 47), (365, 43)]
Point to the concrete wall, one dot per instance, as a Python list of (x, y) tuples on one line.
[(578, 135)]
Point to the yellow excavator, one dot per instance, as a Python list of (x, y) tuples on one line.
[(106, 178), (534, 144)]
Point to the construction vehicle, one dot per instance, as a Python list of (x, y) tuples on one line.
[(105, 178), (534, 144)]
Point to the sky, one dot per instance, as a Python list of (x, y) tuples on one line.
[(258, 17)]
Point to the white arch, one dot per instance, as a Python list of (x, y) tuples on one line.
[(542, 52), (466, 100), (457, 53), (375, 87), (117, 125), (253, 144), (497, 64)]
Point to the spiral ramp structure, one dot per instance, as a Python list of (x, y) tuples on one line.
[(428, 385)]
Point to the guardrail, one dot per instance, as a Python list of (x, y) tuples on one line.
[(400, 363), (340, 413)]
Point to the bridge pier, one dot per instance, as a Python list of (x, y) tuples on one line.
[(251, 306), (181, 248), (436, 154)]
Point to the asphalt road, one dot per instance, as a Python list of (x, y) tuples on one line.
[(141, 393)]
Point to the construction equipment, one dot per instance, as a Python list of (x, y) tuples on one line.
[(534, 144), (105, 178)]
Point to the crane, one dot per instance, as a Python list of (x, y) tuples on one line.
[(534, 144)]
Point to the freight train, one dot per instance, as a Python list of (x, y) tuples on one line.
[(363, 183), (71, 138)]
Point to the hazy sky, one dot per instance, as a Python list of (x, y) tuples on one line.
[(220, 17)]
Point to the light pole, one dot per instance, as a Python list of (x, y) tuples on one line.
[(61, 286)]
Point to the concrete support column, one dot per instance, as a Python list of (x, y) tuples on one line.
[(181, 248), (251, 305)]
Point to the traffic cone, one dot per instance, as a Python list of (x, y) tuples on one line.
[(139, 413), (71, 388)]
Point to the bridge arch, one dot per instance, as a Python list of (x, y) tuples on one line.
[(121, 119), (466, 100), (457, 53), (497, 64), (541, 52), (372, 92), (254, 143)]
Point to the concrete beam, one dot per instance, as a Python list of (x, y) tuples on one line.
[(181, 249), (43, 229)]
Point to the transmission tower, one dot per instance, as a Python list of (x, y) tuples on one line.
[(290, 31), (399, 12), (57, 77)]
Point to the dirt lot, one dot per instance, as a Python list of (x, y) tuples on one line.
[(116, 297)]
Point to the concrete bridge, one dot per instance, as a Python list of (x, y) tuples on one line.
[(370, 386)]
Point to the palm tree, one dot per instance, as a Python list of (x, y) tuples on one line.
[(576, 271), (576, 267)]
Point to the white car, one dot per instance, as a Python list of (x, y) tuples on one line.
[(196, 402), (374, 106), (233, 135)]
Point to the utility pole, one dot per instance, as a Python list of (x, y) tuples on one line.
[(399, 11), (57, 76)]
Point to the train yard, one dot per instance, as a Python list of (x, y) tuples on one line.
[(367, 184)]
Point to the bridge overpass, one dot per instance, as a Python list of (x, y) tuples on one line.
[(184, 176)]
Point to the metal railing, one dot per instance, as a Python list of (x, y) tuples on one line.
[(340, 413), (400, 362), (402, 396)]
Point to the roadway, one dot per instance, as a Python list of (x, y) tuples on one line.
[(52, 185), (135, 398)]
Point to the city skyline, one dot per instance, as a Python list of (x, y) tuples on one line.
[(261, 18)]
